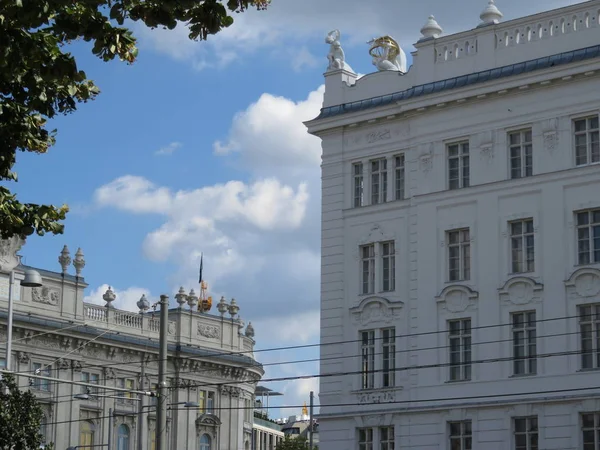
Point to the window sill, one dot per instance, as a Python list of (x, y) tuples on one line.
[(458, 381), (591, 369), (522, 375)]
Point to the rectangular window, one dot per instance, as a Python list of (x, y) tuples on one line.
[(44, 371), (206, 400), (587, 141), (367, 253), (460, 435), (368, 359), (524, 343), (357, 171), (459, 255), (589, 327), (378, 181), (386, 438), (458, 165), (588, 236), (92, 378), (400, 177), (459, 335), (2, 365), (590, 428), (522, 248), (521, 154), (388, 255), (365, 439), (526, 433), (388, 344)]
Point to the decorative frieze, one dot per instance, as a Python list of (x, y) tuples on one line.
[(209, 331), (374, 397), (45, 295)]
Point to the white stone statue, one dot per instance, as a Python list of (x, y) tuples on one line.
[(387, 54), (336, 55)]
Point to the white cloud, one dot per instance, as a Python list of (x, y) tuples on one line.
[(125, 299), (300, 328), (168, 149), (288, 23)]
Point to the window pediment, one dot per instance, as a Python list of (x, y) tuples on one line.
[(521, 290), (584, 283), (208, 419), (376, 309), (376, 234), (457, 298)]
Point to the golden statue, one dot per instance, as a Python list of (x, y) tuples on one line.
[(387, 54)]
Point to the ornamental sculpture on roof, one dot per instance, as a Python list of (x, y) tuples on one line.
[(387, 54), (336, 57)]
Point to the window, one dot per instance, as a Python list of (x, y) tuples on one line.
[(459, 255), (129, 384), (2, 365), (522, 246), (206, 399), (92, 378), (587, 142), (459, 335), (521, 154), (400, 178), (378, 181), (367, 253), (123, 437), (526, 433), (44, 371), (388, 344), (589, 327), (368, 359), (588, 236), (386, 438), (365, 439), (205, 442), (388, 253), (590, 427), (357, 170), (458, 165), (460, 435), (43, 430), (524, 343), (86, 433)]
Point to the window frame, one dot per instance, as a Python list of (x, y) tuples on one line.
[(528, 433), (367, 268), (520, 262), (526, 331), (206, 401), (589, 151), (388, 357), (460, 370), (463, 165), (366, 441), (379, 195), (125, 383), (207, 444), (123, 439), (465, 436), (388, 266), (525, 153), (593, 325), (40, 384), (386, 442), (464, 254), (90, 378), (358, 184), (592, 252), (367, 359), (400, 176)]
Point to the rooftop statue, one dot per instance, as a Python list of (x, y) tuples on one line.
[(336, 55), (387, 54)]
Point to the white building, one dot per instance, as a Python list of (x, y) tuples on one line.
[(211, 364), (461, 214)]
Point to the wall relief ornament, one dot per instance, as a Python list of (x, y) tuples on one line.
[(457, 298), (369, 398), (209, 331), (521, 291), (45, 295), (487, 153), (378, 135), (171, 327), (376, 310), (584, 282), (63, 364), (109, 373), (426, 160), (23, 357), (45, 342), (8, 253), (374, 420), (550, 141), (76, 365)]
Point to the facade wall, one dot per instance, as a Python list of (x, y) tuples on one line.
[(421, 405), (75, 341)]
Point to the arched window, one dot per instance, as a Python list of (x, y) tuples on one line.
[(87, 429), (205, 442), (43, 429), (123, 437)]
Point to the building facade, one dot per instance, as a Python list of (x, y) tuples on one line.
[(211, 370), (460, 277)]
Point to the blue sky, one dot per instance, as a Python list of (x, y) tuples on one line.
[(238, 178)]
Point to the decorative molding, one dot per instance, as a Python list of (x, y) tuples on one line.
[(230, 391), (376, 234), (76, 365), (375, 310), (109, 373), (375, 397), (63, 364), (374, 420), (550, 141), (426, 159), (23, 357), (584, 283), (209, 331), (457, 298), (521, 290), (45, 295), (378, 135), (487, 153), (171, 327)]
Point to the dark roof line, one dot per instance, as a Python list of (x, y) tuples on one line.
[(463, 80)]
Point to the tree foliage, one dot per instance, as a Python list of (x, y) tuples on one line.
[(294, 443), (20, 416), (39, 78)]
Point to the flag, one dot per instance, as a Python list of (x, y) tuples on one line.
[(200, 274)]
